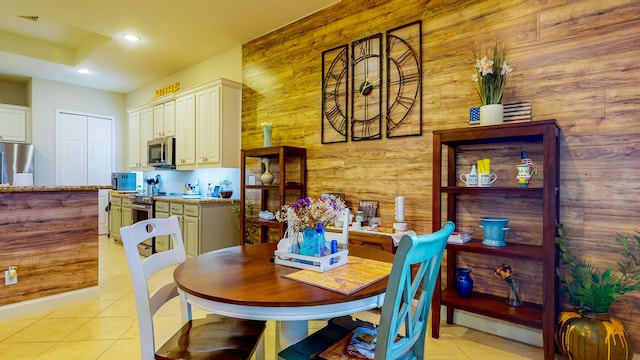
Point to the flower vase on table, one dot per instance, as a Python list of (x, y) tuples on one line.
[(312, 242)]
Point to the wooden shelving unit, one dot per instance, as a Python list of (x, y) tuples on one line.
[(289, 167), (532, 242)]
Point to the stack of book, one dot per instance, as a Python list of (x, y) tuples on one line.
[(458, 238)]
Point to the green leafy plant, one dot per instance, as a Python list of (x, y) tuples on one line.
[(591, 289)]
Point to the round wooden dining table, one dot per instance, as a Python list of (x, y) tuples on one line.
[(244, 282)]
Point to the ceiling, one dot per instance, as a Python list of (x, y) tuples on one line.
[(51, 39)]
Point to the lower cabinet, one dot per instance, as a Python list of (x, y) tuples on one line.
[(119, 215), (115, 217), (204, 227)]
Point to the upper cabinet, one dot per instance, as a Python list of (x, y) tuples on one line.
[(219, 124), (186, 131), (140, 131), (164, 120), (205, 120), (15, 123)]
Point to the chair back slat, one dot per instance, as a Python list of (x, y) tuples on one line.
[(423, 252)]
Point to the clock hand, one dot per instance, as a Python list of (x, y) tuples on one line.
[(365, 89)]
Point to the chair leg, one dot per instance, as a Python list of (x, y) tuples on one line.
[(185, 309)]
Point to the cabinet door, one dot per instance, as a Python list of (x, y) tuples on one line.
[(115, 221), (169, 118), (134, 140), (158, 121), (208, 126), (186, 130), (162, 242), (126, 216), (13, 125), (146, 134), (191, 235)]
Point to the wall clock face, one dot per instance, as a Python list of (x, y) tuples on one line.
[(335, 87), (366, 88), (404, 80)]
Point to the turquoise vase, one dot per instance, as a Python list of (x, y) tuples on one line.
[(312, 241)]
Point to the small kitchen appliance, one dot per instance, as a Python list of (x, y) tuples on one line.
[(123, 181)]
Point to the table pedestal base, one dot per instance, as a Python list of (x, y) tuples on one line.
[(290, 332)]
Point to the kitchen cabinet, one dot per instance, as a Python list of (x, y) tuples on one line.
[(164, 120), (186, 131), (119, 214), (115, 217), (218, 124), (532, 211), (15, 123), (289, 167), (205, 226), (140, 131)]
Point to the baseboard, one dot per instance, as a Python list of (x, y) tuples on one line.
[(48, 303), (524, 334)]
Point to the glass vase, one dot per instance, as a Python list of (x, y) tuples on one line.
[(513, 294), (312, 241)]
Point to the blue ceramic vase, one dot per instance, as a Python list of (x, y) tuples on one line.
[(464, 283)]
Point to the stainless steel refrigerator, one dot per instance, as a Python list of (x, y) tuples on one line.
[(17, 163)]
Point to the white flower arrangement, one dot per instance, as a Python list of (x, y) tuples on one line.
[(267, 124), (491, 74)]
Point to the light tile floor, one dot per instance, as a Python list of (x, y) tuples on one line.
[(107, 328)]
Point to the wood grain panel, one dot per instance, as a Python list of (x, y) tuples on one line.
[(52, 237), (574, 61)]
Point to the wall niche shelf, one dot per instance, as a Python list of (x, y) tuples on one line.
[(530, 246)]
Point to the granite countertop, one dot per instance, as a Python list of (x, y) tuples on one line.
[(52, 188), (178, 198)]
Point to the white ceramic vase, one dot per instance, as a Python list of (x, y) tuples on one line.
[(491, 114)]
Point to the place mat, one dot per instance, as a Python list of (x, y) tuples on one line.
[(357, 274)]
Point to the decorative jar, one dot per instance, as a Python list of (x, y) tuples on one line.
[(464, 283)]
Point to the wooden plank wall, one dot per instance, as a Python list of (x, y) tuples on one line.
[(52, 237), (574, 61)]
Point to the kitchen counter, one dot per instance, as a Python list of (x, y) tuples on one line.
[(179, 198), (52, 188), (51, 234)]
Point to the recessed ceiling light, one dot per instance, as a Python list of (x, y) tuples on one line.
[(83, 71), (131, 37)]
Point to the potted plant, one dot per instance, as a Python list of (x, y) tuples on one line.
[(490, 77), (590, 332)]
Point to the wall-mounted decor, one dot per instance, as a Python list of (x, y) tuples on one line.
[(335, 88), (404, 80), (366, 88)]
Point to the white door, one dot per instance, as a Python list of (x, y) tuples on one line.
[(84, 155)]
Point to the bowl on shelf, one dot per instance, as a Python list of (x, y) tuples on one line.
[(494, 229)]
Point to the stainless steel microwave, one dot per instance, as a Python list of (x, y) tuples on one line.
[(162, 152)]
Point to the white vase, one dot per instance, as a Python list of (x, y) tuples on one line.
[(491, 114)]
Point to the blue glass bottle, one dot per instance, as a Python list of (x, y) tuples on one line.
[(464, 283)]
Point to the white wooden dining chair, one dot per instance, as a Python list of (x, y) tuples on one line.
[(213, 337), (406, 305), (343, 236)]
